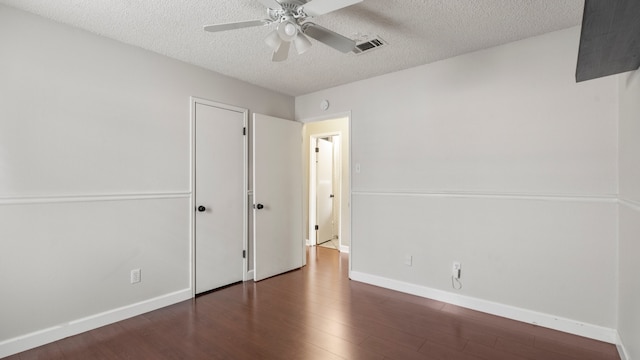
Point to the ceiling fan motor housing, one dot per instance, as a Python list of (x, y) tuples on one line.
[(289, 11)]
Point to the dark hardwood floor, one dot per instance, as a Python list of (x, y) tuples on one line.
[(317, 313)]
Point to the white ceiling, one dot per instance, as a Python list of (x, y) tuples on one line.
[(418, 32)]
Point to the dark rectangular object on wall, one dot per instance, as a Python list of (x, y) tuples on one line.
[(610, 38)]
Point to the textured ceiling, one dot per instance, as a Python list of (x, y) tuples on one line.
[(418, 32)]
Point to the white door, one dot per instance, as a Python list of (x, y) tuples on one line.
[(277, 189), (220, 193), (324, 191)]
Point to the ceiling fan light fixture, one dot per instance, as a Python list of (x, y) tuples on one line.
[(287, 30), (301, 43), (273, 40)]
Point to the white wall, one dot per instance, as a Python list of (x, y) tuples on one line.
[(496, 159), (95, 174), (629, 266)]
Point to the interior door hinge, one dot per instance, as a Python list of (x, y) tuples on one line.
[(317, 150), (317, 227), (244, 131), (244, 254)]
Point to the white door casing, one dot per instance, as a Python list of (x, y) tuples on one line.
[(220, 188), (337, 186), (277, 192)]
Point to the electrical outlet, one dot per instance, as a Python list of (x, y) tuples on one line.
[(408, 260), (135, 276), (457, 270)]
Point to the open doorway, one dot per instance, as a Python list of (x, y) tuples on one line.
[(328, 215)]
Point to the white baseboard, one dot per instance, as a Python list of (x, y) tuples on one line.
[(55, 333), (622, 351), (250, 275), (528, 316)]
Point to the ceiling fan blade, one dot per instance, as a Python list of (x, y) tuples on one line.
[(236, 25), (282, 53), (271, 4), (321, 7), (328, 37)]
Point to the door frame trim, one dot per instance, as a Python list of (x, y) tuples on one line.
[(333, 116), (192, 185)]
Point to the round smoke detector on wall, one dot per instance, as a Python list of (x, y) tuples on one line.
[(324, 105)]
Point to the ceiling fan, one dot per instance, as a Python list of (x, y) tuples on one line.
[(293, 27)]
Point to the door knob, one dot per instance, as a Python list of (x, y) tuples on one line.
[(259, 206), (202, 208)]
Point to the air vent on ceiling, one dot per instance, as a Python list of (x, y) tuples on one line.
[(369, 44)]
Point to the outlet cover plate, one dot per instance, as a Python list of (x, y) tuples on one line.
[(135, 276)]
